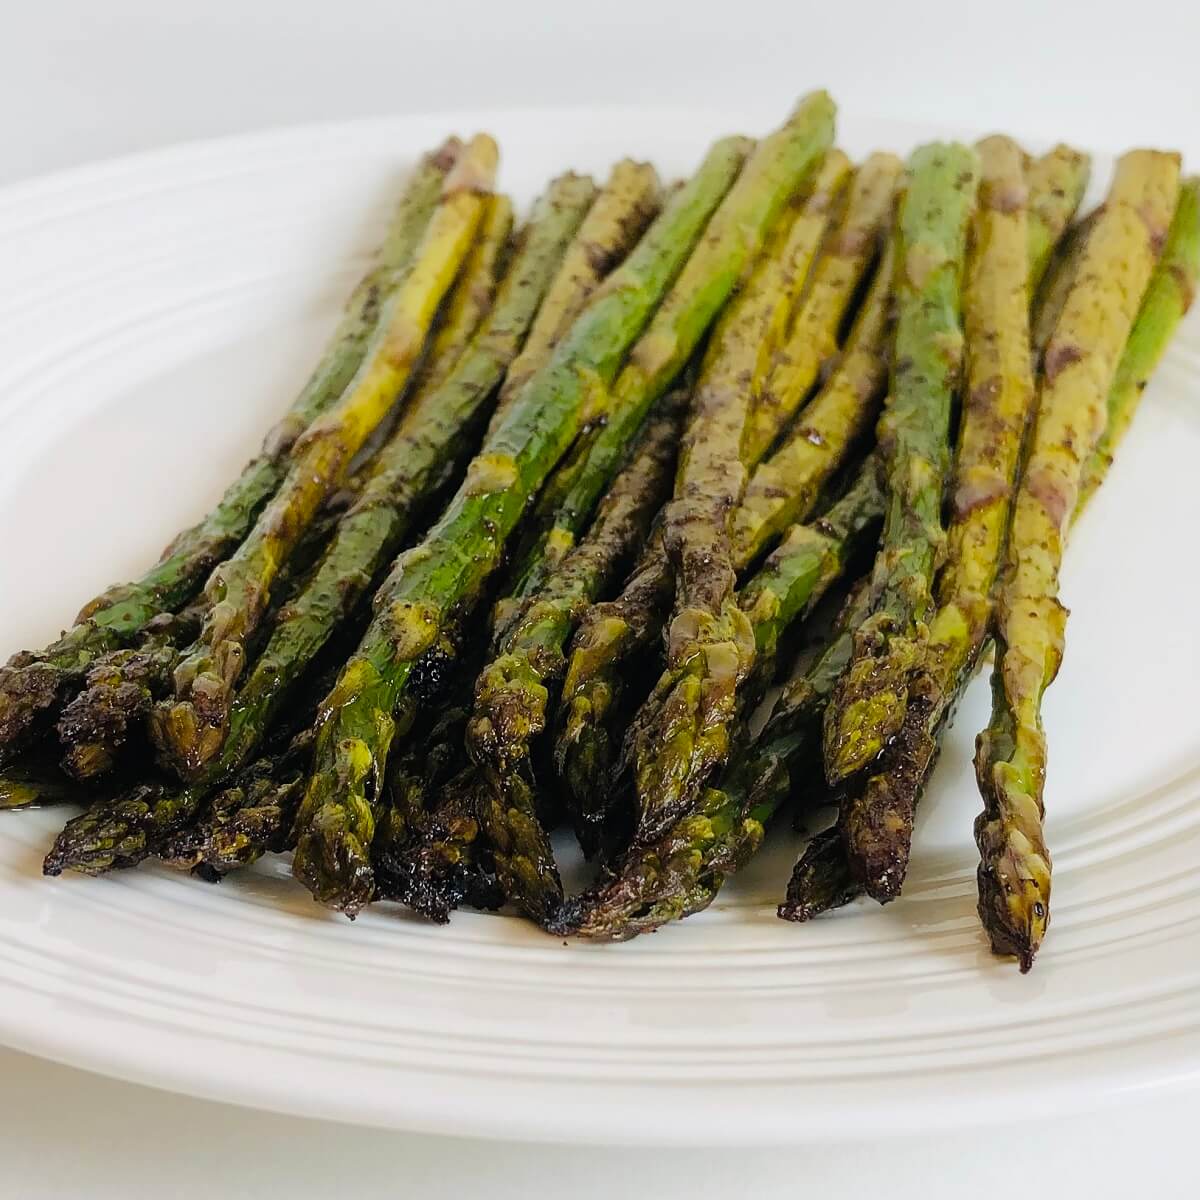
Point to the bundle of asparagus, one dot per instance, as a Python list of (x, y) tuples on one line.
[(655, 436)]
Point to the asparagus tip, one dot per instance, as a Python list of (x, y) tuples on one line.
[(333, 863), (1015, 918)]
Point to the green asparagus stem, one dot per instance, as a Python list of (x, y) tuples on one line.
[(470, 299), (876, 820), (683, 732), (611, 639), (785, 487), (446, 571), (431, 436), (809, 559), (514, 691), (780, 595), (813, 340), (1056, 183), (934, 215), (781, 165), (1168, 297), (191, 730), (33, 685), (1079, 368), (626, 204)]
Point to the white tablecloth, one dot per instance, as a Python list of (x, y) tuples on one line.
[(81, 80)]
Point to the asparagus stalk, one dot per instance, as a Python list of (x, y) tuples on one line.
[(514, 690), (782, 163), (813, 341), (785, 487), (472, 295), (431, 436), (446, 571), (192, 729), (934, 215), (710, 645), (33, 685), (1079, 368), (877, 819), (626, 204), (1168, 297), (612, 637), (1055, 183), (801, 569), (682, 734)]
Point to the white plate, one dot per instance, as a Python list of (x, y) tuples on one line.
[(156, 314)]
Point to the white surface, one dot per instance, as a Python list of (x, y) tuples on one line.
[(81, 81)]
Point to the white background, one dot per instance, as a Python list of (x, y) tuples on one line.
[(81, 80)]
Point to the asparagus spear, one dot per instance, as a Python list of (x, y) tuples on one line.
[(813, 342), (470, 299), (905, 766), (191, 730), (626, 204), (430, 437), (336, 822), (782, 163), (809, 559), (33, 685), (932, 226), (611, 640), (1168, 297), (514, 689), (785, 487), (1079, 368), (1055, 183), (876, 820), (683, 871)]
